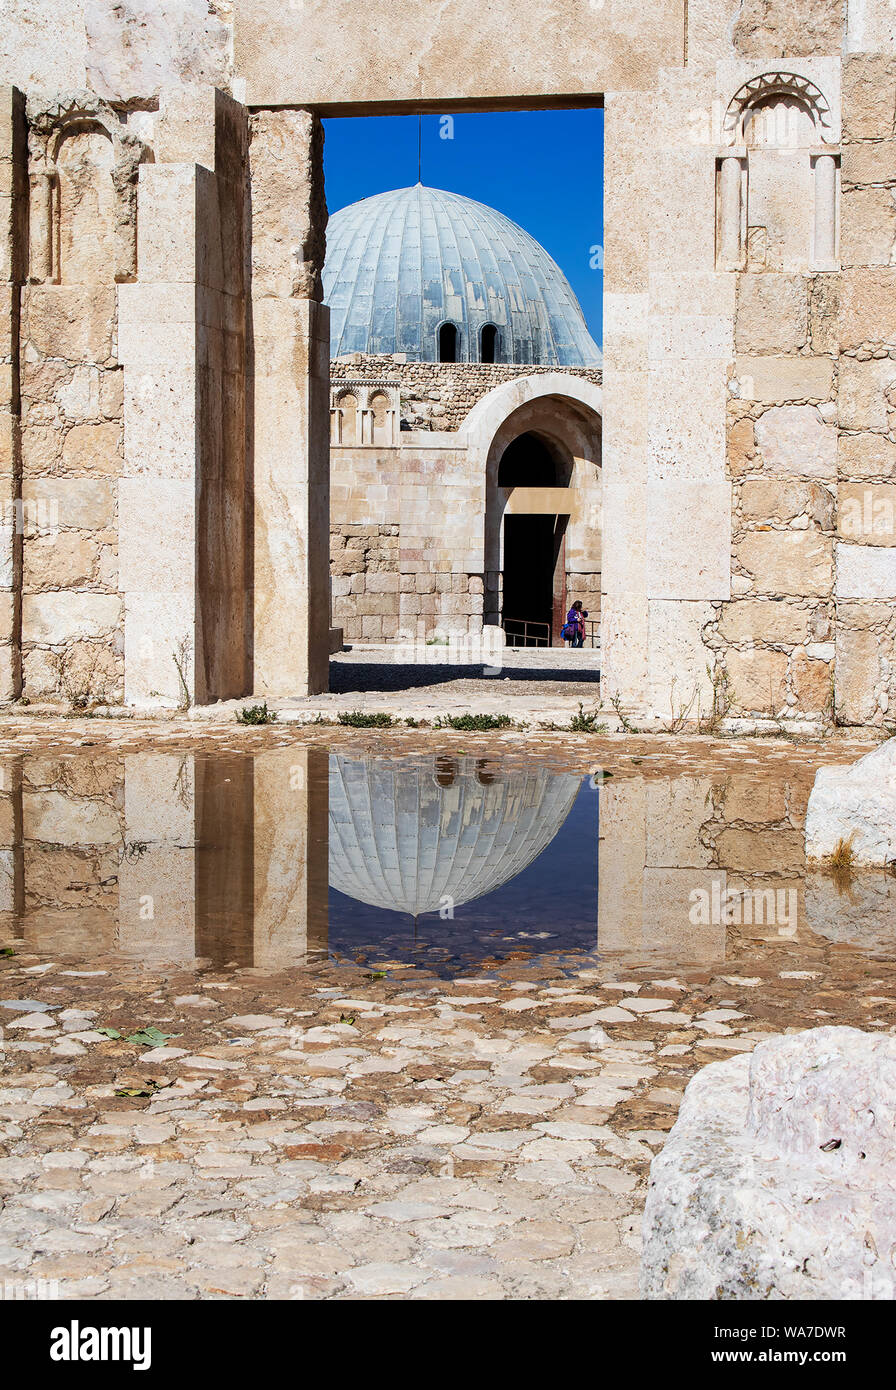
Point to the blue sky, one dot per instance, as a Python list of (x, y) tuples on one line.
[(544, 169)]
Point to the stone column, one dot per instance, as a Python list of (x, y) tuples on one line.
[(290, 856), (156, 890), (12, 853), (730, 212), (648, 901), (624, 609), (825, 245), (668, 347), (13, 216), (182, 498), (157, 494), (291, 346)]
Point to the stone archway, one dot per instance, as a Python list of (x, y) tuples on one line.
[(539, 445)]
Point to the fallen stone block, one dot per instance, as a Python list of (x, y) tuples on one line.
[(778, 1179)]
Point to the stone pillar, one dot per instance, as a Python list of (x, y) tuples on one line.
[(825, 244), (730, 249), (624, 609), (40, 223), (291, 347), (290, 856), (668, 348), (13, 215), (12, 862), (157, 899), (648, 901), (158, 344), (182, 499)]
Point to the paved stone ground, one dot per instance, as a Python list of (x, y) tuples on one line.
[(344, 1133), (533, 686)]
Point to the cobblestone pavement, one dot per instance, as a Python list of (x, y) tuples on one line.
[(344, 1132)]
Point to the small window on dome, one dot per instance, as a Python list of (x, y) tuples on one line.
[(446, 771), (488, 343), (448, 343)]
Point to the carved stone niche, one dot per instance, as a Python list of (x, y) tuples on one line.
[(54, 127), (777, 178)]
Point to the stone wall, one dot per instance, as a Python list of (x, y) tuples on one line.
[(812, 451), (434, 395), (865, 549), (375, 599), (72, 399), (776, 636)]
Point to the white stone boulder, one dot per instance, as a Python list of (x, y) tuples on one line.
[(778, 1179), (857, 804)]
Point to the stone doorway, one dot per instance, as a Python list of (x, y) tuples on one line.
[(534, 587)]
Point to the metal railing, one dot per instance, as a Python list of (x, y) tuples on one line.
[(520, 632)]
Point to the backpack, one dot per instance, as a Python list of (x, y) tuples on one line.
[(568, 632)]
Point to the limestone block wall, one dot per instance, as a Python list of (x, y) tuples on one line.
[(83, 165), (71, 846), (865, 547), (365, 581), (125, 431), (376, 600), (434, 395), (13, 261), (810, 628), (776, 635), (407, 534), (692, 865)]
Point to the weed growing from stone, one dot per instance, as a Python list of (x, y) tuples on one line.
[(476, 723), (582, 723), (257, 714), (357, 719)]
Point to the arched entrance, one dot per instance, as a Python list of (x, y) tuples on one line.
[(538, 442)]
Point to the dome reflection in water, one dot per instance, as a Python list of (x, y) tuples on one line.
[(459, 857)]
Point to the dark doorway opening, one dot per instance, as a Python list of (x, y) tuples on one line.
[(488, 343), (534, 579), (448, 343), (527, 462)]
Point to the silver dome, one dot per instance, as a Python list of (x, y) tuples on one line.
[(402, 263), (400, 840)]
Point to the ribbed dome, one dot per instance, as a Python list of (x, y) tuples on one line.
[(402, 263), (401, 841)]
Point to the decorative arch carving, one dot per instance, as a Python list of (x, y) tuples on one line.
[(49, 123), (347, 407), (777, 83)]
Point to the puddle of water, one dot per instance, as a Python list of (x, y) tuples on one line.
[(281, 858)]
